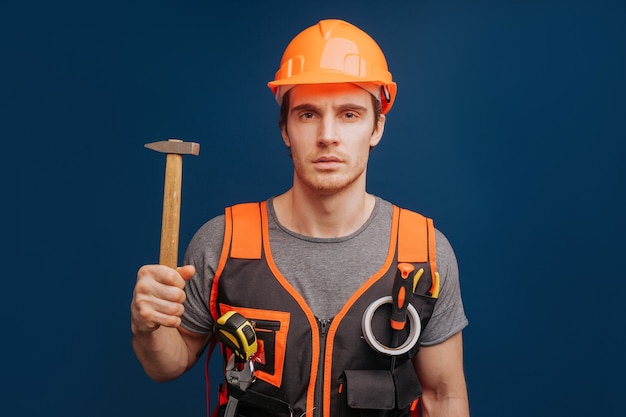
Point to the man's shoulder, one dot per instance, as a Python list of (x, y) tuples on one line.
[(210, 231), (440, 237)]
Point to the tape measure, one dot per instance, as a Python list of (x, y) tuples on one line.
[(237, 333)]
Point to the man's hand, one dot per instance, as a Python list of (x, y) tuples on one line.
[(164, 349), (158, 297)]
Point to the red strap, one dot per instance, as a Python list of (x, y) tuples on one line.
[(207, 376)]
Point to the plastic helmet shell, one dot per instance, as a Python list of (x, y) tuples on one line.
[(335, 51)]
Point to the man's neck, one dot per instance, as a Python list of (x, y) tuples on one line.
[(328, 216)]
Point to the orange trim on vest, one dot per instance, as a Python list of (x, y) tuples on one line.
[(246, 243), (228, 231), (332, 330), (412, 244), (432, 256), (315, 342)]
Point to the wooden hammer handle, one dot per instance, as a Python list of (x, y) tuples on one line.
[(175, 149), (171, 210)]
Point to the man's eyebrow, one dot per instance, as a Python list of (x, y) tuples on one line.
[(352, 106), (305, 106), (341, 107)]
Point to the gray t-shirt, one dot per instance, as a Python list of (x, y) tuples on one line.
[(326, 272)]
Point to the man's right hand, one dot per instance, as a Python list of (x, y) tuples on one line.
[(158, 297)]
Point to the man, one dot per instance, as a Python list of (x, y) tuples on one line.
[(311, 267)]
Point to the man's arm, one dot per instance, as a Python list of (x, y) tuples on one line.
[(166, 353), (440, 371), (164, 349)]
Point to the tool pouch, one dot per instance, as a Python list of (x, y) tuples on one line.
[(370, 391), (381, 393)]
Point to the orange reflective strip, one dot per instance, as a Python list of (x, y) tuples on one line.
[(315, 342), (412, 239), (228, 229), (332, 330), (432, 258), (246, 243)]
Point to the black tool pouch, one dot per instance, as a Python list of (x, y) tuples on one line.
[(372, 393), (379, 393)]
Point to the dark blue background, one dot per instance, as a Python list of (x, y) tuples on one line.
[(508, 129)]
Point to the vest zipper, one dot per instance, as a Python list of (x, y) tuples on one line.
[(323, 325)]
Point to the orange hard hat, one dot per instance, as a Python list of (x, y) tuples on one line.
[(335, 51)]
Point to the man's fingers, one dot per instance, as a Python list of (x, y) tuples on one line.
[(159, 296), (163, 283), (150, 312), (167, 315), (166, 275), (186, 272)]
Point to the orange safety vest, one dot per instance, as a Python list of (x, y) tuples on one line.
[(307, 367)]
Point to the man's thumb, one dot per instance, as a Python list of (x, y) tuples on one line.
[(186, 272)]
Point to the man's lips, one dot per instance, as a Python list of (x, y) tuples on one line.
[(327, 162), (324, 159)]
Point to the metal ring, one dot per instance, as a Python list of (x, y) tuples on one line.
[(411, 340)]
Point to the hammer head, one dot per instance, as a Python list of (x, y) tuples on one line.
[(175, 146)]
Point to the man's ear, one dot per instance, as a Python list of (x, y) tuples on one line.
[(285, 135), (377, 134)]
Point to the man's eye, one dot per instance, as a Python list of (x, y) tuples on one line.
[(350, 115), (307, 115)]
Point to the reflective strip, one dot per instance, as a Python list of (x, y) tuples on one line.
[(228, 232), (432, 258), (412, 237), (246, 243)]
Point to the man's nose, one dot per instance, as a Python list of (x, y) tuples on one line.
[(328, 131)]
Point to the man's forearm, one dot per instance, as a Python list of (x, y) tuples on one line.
[(434, 405), (163, 353)]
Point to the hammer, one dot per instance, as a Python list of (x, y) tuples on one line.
[(175, 149)]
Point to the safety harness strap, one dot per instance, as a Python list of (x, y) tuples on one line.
[(246, 240), (412, 237), (416, 240)]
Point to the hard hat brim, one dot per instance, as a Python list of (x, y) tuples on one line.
[(325, 77), (336, 78)]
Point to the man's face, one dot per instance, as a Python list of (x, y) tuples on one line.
[(329, 131)]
